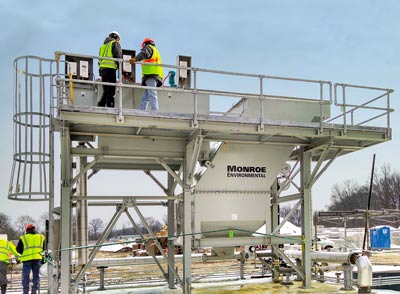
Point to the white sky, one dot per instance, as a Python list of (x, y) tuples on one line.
[(355, 42)]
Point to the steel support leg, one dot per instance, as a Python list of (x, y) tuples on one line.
[(187, 224), (274, 220), (171, 232), (81, 209), (66, 176), (306, 210)]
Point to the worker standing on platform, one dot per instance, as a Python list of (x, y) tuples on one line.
[(108, 68), (152, 75), (31, 245), (6, 247)]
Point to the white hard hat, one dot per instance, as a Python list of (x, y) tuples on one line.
[(114, 34)]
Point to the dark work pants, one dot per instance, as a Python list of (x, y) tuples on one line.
[(108, 75), (3, 276), (27, 267)]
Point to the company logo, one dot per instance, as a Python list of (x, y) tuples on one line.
[(234, 171)]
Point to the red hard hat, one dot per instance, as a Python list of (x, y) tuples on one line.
[(30, 227), (148, 40)]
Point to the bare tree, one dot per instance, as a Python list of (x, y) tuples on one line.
[(22, 221), (95, 227), (387, 189), (42, 221), (295, 218), (350, 196), (6, 227)]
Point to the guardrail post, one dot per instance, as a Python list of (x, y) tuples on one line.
[(344, 110), (388, 114), (321, 104), (261, 126), (120, 117), (195, 123)]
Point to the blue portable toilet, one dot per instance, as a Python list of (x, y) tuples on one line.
[(380, 237)]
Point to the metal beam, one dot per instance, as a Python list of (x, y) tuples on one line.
[(318, 165), (66, 175), (243, 241), (85, 169), (156, 242), (96, 249), (306, 212), (171, 232), (170, 171), (155, 180), (131, 198), (196, 140), (146, 244), (289, 261), (291, 212), (85, 115), (288, 198), (338, 153)]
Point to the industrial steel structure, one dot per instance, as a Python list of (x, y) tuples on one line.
[(229, 166)]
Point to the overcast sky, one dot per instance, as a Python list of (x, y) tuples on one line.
[(355, 42)]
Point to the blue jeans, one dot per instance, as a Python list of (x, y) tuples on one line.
[(150, 95), (27, 267)]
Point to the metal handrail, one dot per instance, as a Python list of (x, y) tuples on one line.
[(386, 110), (262, 95)]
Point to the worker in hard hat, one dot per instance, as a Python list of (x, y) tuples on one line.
[(108, 68), (31, 246), (6, 249), (152, 75)]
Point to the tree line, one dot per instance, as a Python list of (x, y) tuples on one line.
[(350, 196), (95, 226)]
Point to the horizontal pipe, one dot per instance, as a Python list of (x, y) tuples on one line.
[(344, 257)]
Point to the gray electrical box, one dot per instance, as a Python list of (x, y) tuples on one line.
[(184, 79), (128, 70), (80, 67)]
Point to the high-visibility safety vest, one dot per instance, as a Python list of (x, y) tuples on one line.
[(153, 69), (33, 246), (5, 248), (106, 51)]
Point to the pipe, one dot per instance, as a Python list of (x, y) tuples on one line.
[(342, 257), (364, 275)]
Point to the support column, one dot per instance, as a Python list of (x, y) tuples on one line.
[(187, 224), (81, 209), (274, 222), (306, 211), (66, 176), (171, 232), (52, 266)]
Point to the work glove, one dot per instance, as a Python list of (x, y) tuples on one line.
[(132, 60)]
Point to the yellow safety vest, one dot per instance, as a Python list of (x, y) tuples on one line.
[(152, 69), (5, 248), (106, 51), (33, 246)]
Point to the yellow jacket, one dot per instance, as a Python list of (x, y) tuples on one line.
[(6, 248), (33, 246)]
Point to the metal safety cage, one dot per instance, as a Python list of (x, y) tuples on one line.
[(31, 175)]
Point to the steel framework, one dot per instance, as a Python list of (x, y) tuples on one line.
[(317, 143)]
